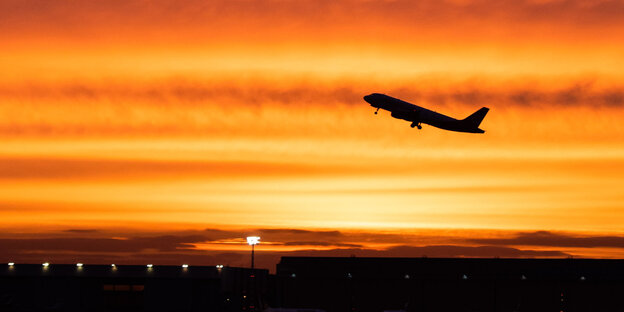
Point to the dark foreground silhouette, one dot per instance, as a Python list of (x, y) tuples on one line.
[(321, 284)]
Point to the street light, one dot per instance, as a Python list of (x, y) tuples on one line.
[(253, 241)]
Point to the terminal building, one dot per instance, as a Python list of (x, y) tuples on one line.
[(321, 284), (72, 287), (450, 284)]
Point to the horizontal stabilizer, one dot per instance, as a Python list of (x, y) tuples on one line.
[(475, 119)]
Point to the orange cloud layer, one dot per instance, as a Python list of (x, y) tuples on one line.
[(327, 20), (327, 38), (211, 246), (296, 155)]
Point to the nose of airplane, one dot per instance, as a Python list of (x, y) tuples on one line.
[(367, 98)]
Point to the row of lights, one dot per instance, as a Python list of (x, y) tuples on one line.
[(407, 276), (251, 240), (114, 266), (220, 266)]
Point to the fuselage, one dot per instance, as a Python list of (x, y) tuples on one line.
[(403, 110)]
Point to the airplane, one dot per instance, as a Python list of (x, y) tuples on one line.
[(419, 115)]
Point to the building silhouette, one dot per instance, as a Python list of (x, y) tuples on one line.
[(67, 287), (450, 284), (319, 283)]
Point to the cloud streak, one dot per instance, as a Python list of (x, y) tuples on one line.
[(439, 251), (218, 246), (396, 244), (76, 244), (194, 109), (260, 92), (270, 18), (15, 169), (180, 247), (550, 239)]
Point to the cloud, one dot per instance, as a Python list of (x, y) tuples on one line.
[(397, 245), (67, 169), (294, 235), (178, 108), (550, 239), (259, 91), (180, 246), (177, 247), (301, 232), (431, 251), (165, 243), (264, 259), (81, 231), (472, 251), (105, 19), (320, 244)]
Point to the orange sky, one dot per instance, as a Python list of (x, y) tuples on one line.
[(124, 122)]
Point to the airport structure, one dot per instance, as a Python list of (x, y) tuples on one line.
[(451, 284), (83, 287), (321, 284)]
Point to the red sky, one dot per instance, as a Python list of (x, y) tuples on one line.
[(161, 131)]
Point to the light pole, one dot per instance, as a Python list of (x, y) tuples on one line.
[(253, 241)]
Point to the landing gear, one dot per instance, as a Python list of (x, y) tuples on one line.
[(416, 124), (376, 110)]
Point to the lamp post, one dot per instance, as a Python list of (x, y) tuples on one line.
[(253, 241)]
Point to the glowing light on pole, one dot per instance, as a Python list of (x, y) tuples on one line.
[(253, 241)]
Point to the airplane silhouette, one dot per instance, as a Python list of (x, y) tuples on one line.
[(418, 115)]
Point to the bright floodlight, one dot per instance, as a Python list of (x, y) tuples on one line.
[(11, 263), (253, 240), (185, 266), (149, 266), (113, 265), (79, 265), (45, 264), (219, 266)]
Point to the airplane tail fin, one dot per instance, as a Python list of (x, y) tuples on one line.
[(475, 119)]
